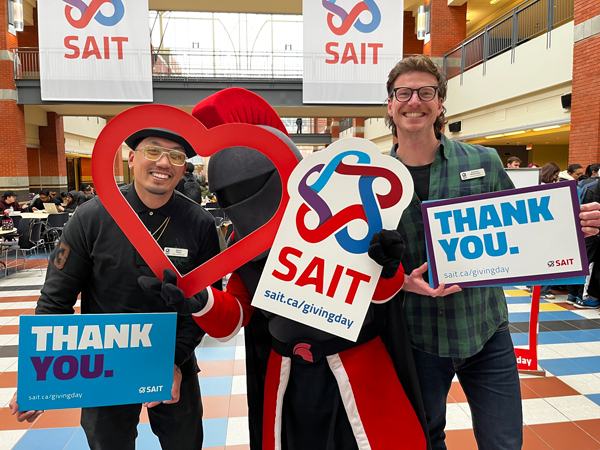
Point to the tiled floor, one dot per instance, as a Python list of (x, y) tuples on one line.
[(561, 410)]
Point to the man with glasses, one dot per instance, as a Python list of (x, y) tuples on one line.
[(44, 197), (453, 331), (96, 259)]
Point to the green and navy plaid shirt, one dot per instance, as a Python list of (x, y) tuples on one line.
[(457, 325)]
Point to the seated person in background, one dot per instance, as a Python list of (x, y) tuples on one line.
[(63, 198), (72, 201), (8, 200), (86, 193), (89, 190), (44, 197)]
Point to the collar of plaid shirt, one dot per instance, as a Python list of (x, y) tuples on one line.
[(457, 325)]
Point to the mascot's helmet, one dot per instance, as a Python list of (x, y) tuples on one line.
[(246, 182)]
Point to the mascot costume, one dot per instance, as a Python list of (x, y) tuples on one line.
[(307, 389)]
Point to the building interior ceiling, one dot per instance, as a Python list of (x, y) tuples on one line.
[(553, 136), (479, 12)]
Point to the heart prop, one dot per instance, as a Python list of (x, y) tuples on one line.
[(206, 143)]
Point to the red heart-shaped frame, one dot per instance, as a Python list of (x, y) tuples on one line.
[(206, 143)]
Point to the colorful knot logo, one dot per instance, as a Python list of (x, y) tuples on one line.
[(367, 211), (92, 12), (349, 19)]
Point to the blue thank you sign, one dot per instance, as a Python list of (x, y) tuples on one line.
[(73, 361)]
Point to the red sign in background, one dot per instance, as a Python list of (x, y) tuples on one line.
[(527, 357)]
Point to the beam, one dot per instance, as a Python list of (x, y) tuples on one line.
[(284, 95)]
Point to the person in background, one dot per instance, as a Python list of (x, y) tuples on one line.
[(573, 172), (532, 165), (550, 173), (72, 201), (514, 162), (205, 191), (44, 197), (89, 191), (591, 176), (63, 198), (187, 176), (9, 201)]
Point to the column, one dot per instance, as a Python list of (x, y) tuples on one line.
[(448, 28), (52, 159), (358, 128), (584, 145), (410, 44), (13, 150)]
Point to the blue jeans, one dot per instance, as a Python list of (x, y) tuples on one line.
[(490, 381)]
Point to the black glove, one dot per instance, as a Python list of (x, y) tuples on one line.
[(174, 296), (386, 249)]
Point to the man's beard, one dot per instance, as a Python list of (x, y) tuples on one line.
[(156, 190)]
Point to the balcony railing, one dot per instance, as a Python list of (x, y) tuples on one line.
[(529, 20), (192, 64)]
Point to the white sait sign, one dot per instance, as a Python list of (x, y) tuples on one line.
[(519, 236), (350, 47), (95, 50), (318, 271)]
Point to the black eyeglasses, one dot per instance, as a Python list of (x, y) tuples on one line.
[(404, 94)]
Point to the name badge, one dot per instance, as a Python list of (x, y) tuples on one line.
[(179, 252), (477, 173)]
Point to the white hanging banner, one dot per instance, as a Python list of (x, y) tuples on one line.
[(349, 49), (95, 50)]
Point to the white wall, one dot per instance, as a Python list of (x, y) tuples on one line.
[(84, 126), (517, 113), (377, 132), (536, 68)]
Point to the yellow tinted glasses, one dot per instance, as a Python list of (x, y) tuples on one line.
[(154, 153)]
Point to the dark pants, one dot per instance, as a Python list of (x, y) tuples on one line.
[(178, 426), (314, 417), (576, 290), (490, 381)]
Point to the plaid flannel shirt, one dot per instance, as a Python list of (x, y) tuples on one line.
[(457, 325)]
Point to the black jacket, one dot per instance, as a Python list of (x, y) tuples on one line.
[(186, 177), (38, 204), (104, 266)]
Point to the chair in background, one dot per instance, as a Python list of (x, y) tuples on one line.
[(16, 220), (54, 228), (29, 241)]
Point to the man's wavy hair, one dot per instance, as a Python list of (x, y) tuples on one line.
[(419, 63)]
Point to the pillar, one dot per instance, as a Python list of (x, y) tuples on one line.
[(52, 159), (448, 27), (335, 129), (410, 44), (118, 164), (584, 144), (358, 128), (13, 150)]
